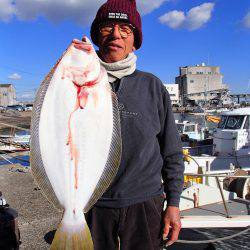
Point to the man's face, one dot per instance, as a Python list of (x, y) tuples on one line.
[(113, 46)]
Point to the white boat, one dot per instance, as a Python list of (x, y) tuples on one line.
[(207, 175), (231, 145), (23, 139), (190, 130), (14, 143)]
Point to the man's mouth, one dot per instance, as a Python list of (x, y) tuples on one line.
[(114, 46)]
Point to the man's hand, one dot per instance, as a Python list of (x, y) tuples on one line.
[(172, 221), (83, 45)]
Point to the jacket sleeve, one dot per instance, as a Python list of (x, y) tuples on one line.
[(171, 151)]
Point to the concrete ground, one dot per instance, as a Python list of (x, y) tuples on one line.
[(37, 218)]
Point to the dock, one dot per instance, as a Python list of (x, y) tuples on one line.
[(19, 119), (37, 219)]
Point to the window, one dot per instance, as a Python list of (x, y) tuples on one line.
[(190, 128), (222, 122), (247, 123), (180, 128), (234, 122), (191, 81)]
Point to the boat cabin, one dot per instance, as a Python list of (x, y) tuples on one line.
[(233, 132), (189, 129)]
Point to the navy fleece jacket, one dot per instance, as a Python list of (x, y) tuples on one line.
[(151, 146)]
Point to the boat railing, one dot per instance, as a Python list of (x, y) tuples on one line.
[(200, 149), (217, 176)]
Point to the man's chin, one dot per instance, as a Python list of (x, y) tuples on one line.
[(113, 57)]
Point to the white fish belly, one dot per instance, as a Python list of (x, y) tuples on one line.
[(75, 166)]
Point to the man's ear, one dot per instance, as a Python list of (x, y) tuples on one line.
[(133, 49)]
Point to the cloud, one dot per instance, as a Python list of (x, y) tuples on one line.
[(199, 15), (146, 7), (7, 10), (78, 11), (56, 11), (246, 20), (173, 19), (15, 76), (194, 19)]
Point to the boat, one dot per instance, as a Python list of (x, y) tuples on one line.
[(14, 143), (221, 179), (190, 131), (231, 145), (195, 138)]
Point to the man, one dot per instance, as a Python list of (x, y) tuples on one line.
[(130, 212)]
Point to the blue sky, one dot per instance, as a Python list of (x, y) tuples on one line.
[(33, 34)]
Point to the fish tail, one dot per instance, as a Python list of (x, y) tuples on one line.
[(68, 238)]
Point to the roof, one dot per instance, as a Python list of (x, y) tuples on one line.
[(239, 111), (5, 85)]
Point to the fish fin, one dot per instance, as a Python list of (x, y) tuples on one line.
[(114, 157), (72, 239), (36, 162)]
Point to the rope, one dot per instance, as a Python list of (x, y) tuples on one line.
[(15, 157), (6, 159), (192, 158), (213, 240)]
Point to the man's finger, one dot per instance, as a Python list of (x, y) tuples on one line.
[(76, 41), (84, 39), (165, 230), (83, 46), (174, 234)]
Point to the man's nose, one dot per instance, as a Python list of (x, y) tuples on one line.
[(116, 32)]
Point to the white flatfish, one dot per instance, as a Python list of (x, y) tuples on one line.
[(75, 141)]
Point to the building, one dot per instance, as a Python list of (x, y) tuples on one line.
[(199, 83), (173, 90), (7, 95)]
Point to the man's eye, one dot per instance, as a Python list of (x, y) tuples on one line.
[(108, 27), (125, 28)]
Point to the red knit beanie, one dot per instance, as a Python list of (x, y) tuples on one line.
[(119, 10)]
